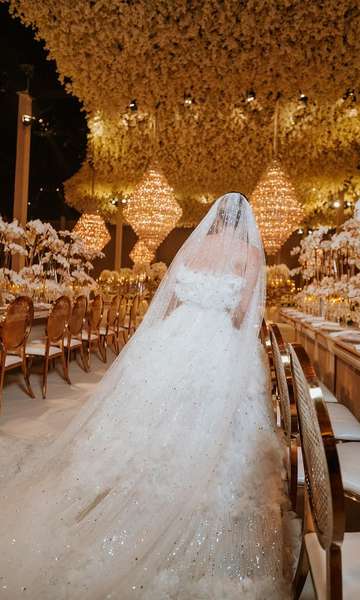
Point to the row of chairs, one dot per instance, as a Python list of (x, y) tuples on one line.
[(69, 328), (323, 462)]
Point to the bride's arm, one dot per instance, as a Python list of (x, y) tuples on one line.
[(251, 277)]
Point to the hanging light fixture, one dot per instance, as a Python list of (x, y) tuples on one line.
[(152, 209), (92, 230), (141, 254), (91, 227), (276, 208)]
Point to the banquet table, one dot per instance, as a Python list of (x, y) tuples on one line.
[(334, 351)]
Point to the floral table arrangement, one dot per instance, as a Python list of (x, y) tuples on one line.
[(330, 269), (279, 285), (56, 262), (143, 279)]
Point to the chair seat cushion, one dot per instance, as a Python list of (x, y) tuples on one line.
[(327, 395), (38, 347), (349, 457), (350, 552), (12, 361), (110, 332), (343, 422), (301, 472), (93, 336), (74, 343)]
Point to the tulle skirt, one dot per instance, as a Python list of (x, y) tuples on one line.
[(166, 487)]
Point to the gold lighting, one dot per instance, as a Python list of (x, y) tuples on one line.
[(277, 210), (152, 209), (141, 254), (92, 230)]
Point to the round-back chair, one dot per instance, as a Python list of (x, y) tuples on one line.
[(58, 319), (324, 493), (78, 314), (16, 326)]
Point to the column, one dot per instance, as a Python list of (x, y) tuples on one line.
[(340, 215), (118, 239), (21, 193)]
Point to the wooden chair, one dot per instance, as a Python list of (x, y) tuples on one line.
[(53, 345), (287, 406), (14, 332), (91, 335), (332, 555), (122, 322), (130, 324), (348, 452), (108, 332), (74, 340)]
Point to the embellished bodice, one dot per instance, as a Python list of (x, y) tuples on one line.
[(208, 290)]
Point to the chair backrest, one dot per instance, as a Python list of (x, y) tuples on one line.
[(113, 311), (322, 470), (78, 314), (284, 382), (17, 323), (58, 319), (134, 310), (122, 311), (95, 313)]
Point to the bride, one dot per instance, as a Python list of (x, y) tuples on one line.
[(167, 485)]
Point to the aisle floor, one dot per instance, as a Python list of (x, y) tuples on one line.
[(28, 425)]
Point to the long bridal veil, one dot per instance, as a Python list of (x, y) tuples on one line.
[(140, 497)]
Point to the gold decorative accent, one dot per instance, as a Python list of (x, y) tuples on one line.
[(92, 230), (277, 210)]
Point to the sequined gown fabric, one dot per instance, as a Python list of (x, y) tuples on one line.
[(167, 487)]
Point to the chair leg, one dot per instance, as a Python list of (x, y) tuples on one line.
[(104, 346), (83, 359), (88, 352), (102, 349), (26, 374), (45, 375), (2, 376), (301, 573), (65, 366)]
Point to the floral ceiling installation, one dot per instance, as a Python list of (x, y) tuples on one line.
[(190, 67)]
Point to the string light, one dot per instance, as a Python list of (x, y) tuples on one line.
[(92, 230), (152, 210), (277, 210)]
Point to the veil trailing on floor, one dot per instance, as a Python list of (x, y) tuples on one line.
[(140, 497)]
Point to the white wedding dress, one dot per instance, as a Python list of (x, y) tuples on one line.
[(167, 486)]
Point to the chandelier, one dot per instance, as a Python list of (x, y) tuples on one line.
[(152, 210), (277, 210), (141, 254), (92, 230)]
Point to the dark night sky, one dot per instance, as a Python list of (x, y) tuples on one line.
[(56, 153)]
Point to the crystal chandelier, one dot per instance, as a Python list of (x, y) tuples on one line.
[(277, 210), (152, 210), (92, 230), (141, 254)]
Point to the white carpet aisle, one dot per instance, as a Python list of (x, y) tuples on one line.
[(29, 425)]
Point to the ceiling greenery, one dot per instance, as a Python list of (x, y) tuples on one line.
[(204, 77)]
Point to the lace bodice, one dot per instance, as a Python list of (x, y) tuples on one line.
[(208, 290)]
